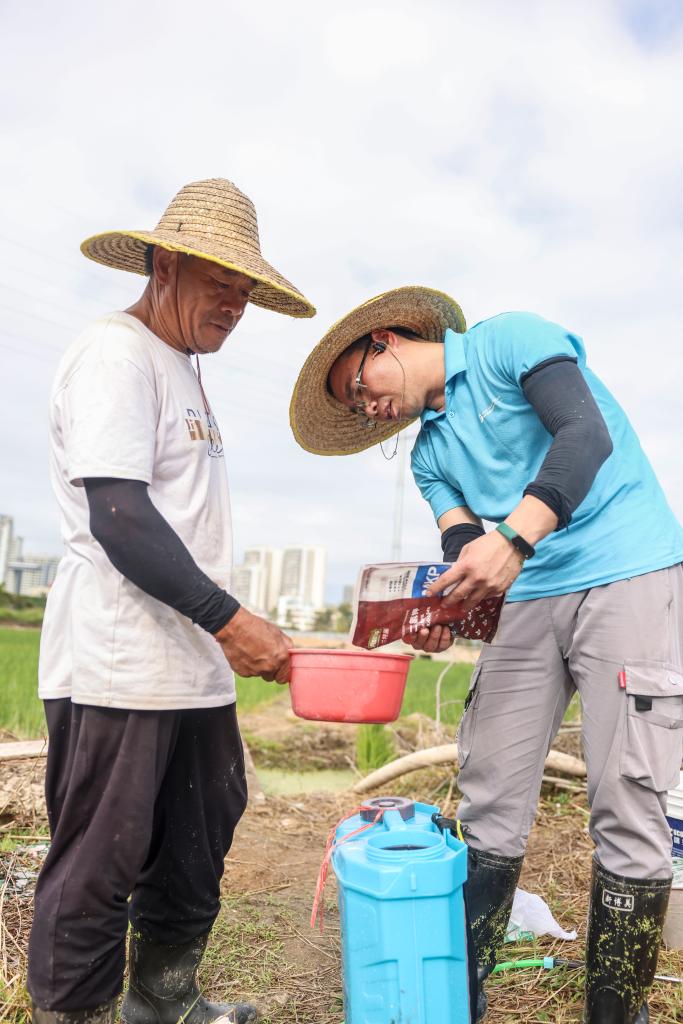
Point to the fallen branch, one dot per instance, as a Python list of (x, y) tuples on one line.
[(23, 749), (447, 753), (572, 787)]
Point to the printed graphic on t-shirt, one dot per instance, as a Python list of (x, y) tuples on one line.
[(204, 431)]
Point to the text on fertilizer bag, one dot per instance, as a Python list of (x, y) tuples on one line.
[(393, 603)]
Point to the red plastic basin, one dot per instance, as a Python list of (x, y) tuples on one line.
[(348, 686)]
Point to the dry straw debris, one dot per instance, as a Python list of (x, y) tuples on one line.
[(263, 949)]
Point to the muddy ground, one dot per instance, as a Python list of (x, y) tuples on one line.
[(263, 947)]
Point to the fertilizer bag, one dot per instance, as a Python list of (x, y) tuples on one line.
[(391, 603)]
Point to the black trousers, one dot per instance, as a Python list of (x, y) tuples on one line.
[(142, 808)]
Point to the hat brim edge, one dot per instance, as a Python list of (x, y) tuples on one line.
[(448, 300), (307, 309), (341, 451)]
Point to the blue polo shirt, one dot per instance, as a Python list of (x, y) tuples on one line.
[(488, 444)]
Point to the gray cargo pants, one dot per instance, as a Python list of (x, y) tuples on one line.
[(621, 647)]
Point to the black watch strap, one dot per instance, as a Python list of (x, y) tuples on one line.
[(524, 548)]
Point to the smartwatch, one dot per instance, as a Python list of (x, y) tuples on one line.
[(525, 549)]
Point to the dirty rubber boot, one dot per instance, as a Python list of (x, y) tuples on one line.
[(489, 892), (104, 1014), (625, 923), (163, 987)]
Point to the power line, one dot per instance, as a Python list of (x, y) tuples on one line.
[(75, 331), (105, 284), (227, 404), (70, 264), (45, 301), (25, 352), (36, 316), (32, 341), (222, 376)]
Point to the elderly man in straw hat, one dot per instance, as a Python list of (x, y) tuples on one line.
[(516, 430), (145, 773)]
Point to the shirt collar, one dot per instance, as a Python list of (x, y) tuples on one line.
[(455, 362), (455, 357)]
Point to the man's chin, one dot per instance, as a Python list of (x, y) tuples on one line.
[(207, 346), (406, 416)]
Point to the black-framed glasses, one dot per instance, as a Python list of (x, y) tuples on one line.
[(359, 402)]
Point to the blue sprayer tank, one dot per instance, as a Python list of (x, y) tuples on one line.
[(404, 940)]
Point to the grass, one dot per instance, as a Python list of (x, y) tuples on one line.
[(374, 747), (420, 693), (375, 744), (21, 616), (21, 712), (244, 953)]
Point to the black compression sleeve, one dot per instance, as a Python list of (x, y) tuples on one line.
[(565, 406), (145, 549), (453, 539)]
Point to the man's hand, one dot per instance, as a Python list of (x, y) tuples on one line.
[(488, 566), (254, 647), (435, 639)]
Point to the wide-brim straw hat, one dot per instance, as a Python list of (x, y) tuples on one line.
[(323, 425), (212, 220)]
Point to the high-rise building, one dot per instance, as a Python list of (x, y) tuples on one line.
[(6, 537), (303, 574), (247, 586), (268, 574), (269, 563)]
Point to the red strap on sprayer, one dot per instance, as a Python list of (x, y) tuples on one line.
[(330, 847)]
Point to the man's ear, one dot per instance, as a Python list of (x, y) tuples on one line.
[(165, 264), (384, 337)]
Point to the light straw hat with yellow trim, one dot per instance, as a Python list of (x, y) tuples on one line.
[(323, 425), (213, 220)]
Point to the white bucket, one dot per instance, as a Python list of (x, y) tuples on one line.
[(673, 925)]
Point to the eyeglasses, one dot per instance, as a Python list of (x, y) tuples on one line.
[(359, 402)]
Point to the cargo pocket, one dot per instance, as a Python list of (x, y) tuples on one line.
[(465, 733), (652, 744)]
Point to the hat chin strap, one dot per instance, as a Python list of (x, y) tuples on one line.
[(400, 407), (190, 351)]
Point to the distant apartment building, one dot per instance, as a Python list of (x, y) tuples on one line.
[(267, 575), (293, 613), (303, 574), (268, 561), (31, 576), (347, 593), (246, 586), (6, 538)]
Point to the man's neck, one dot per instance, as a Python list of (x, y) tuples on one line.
[(149, 310), (435, 377)]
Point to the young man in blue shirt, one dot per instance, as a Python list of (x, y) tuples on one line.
[(518, 431)]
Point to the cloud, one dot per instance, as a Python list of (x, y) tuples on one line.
[(520, 156)]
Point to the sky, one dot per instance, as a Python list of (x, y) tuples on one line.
[(517, 156)]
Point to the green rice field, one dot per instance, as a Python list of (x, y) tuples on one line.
[(21, 713)]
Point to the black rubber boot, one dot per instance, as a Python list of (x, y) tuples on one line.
[(489, 892), (625, 923), (105, 1014), (163, 987)]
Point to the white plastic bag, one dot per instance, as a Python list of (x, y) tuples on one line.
[(531, 915)]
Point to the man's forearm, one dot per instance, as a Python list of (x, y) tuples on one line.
[(145, 549), (532, 519)]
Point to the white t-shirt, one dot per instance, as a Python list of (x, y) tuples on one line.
[(127, 405)]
